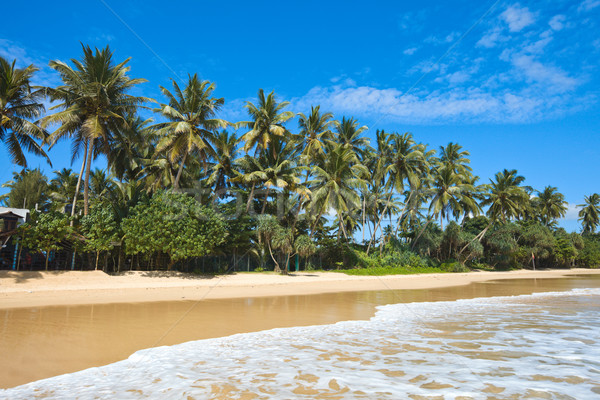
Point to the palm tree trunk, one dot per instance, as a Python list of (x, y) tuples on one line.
[(478, 237), (179, 171), (420, 233), (379, 221), (265, 202), (78, 186), (250, 197), (342, 226), (277, 268), (86, 186), (363, 217)]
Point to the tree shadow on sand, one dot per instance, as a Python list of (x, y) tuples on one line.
[(24, 276), (165, 274)]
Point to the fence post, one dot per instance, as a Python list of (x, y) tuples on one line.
[(14, 266)]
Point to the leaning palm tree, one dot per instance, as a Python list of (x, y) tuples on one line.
[(92, 103), (19, 103), (589, 215), (192, 124), (550, 205), (268, 120)]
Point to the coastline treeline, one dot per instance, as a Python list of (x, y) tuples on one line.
[(279, 190)]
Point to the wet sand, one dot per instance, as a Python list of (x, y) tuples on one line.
[(39, 342)]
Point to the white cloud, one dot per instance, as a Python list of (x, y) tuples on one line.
[(557, 22), (491, 38), (517, 17), (572, 212), (552, 78), (588, 5), (465, 104), (410, 51)]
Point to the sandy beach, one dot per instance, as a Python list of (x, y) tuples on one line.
[(31, 289)]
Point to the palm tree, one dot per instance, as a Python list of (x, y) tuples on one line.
[(314, 130), (450, 195), (224, 166), (335, 183), (19, 103), (28, 189), (454, 159), (192, 123), (348, 133), (132, 145), (279, 172), (268, 119), (408, 164), (62, 188), (505, 198), (93, 101), (589, 215), (550, 205)]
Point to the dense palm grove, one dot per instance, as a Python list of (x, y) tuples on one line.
[(188, 190)]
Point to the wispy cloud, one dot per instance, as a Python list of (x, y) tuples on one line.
[(464, 104), (554, 79), (410, 51), (588, 5), (13, 51), (517, 18), (557, 22)]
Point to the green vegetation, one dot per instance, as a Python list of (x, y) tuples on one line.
[(190, 191)]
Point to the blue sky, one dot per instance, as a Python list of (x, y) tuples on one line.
[(515, 83)]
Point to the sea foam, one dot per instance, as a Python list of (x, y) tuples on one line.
[(544, 345)]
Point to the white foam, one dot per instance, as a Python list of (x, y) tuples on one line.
[(544, 344)]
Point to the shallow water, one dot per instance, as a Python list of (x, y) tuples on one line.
[(434, 347)]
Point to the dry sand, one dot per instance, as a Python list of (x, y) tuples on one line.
[(32, 289)]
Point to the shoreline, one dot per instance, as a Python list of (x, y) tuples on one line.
[(60, 288)]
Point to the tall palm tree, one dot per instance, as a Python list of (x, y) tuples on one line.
[(450, 195), (456, 160), (268, 122), (19, 103), (335, 183), (132, 144), (271, 172), (550, 205), (223, 169), (589, 215), (348, 133), (314, 130), (505, 197), (192, 123), (93, 101), (408, 165)]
